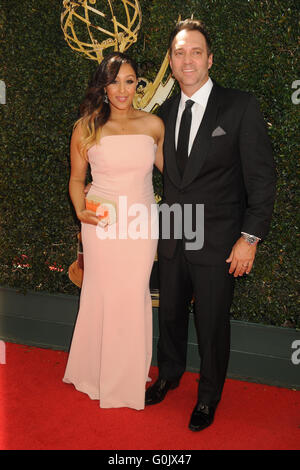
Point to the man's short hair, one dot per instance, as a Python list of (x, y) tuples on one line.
[(190, 25)]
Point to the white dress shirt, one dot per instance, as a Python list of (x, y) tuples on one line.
[(200, 98), (198, 109)]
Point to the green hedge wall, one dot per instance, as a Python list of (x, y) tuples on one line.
[(254, 49)]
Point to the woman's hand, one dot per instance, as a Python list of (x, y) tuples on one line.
[(88, 217)]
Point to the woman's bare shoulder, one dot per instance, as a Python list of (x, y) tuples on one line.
[(150, 124), (152, 120), (77, 129)]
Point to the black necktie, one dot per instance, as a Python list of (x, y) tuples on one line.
[(182, 151)]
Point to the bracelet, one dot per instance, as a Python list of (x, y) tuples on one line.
[(251, 239)]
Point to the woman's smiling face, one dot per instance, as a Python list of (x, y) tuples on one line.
[(121, 91)]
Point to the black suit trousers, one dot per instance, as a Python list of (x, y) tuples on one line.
[(212, 288)]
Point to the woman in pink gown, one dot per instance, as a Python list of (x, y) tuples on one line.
[(111, 349)]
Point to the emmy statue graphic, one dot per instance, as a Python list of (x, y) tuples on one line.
[(90, 31)]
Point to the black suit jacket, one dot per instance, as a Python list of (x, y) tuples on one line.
[(232, 175)]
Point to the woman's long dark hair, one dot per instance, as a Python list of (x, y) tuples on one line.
[(94, 111)]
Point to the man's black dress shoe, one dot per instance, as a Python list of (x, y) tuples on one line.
[(157, 392), (202, 417)]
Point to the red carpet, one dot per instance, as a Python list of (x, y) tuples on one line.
[(38, 411)]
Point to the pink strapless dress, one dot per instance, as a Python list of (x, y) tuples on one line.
[(111, 349)]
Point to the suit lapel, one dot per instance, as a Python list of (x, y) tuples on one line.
[(202, 140)]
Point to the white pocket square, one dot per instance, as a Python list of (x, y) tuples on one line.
[(218, 131)]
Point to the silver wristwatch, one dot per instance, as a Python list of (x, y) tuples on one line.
[(251, 239)]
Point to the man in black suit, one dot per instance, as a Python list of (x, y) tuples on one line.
[(216, 154)]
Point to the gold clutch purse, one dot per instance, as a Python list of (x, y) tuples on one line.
[(105, 209)]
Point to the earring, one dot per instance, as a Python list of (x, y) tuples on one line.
[(105, 99)]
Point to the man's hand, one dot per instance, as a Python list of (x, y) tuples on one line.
[(87, 188), (241, 258)]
